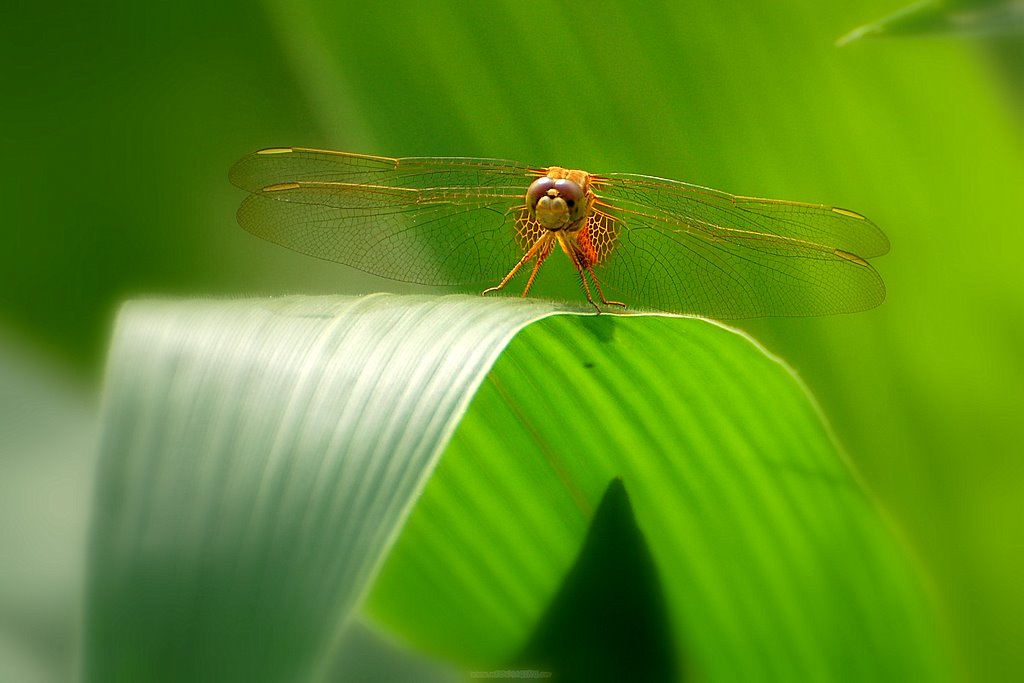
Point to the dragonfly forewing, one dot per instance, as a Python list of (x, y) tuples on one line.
[(692, 249), (423, 220)]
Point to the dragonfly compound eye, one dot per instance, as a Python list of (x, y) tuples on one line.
[(555, 203), (538, 189)]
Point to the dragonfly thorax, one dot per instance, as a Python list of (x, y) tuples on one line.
[(557, 202)]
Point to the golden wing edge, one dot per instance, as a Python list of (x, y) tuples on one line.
[(717, 233), (867, 228), (321, 193), (264, 169), (240, 174), (400, 161)]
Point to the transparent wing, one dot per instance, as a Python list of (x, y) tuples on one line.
[(664, 244), (686, 248), (437, 221)]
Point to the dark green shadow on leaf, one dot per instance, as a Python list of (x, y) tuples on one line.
[(608, 621)]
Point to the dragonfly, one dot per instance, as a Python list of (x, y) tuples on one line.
[(651, 242)]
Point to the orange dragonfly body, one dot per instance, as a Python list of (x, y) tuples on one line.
[(658, 243)]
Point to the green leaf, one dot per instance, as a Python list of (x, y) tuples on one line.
[(955, 17), (775, 563), (257, 460)]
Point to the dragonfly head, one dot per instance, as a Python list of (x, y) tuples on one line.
[(556, 203)]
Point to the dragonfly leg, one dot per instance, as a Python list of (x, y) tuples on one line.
[(586, 288), (540, 244), (544, 252), (577, 261), (597, 286)]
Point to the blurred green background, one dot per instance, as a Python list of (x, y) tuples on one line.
[(120, 121)]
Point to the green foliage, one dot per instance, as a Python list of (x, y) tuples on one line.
[(952, 17), (259, 459), (772, 558)]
